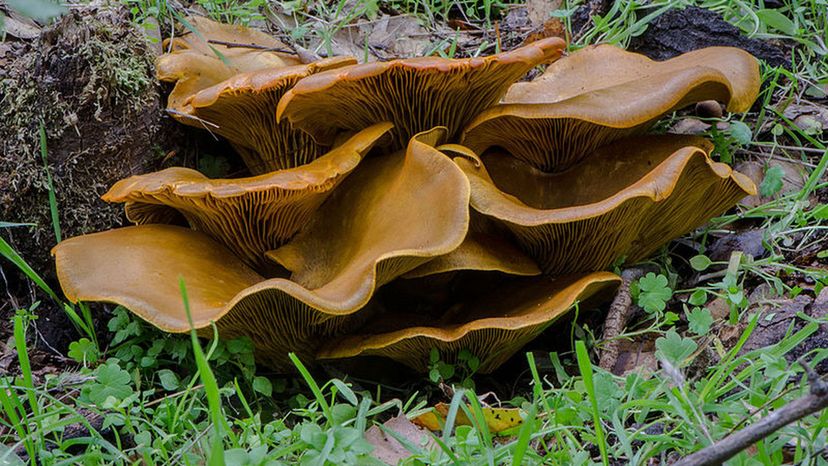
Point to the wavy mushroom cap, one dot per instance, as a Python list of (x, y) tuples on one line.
[(353, 245), (249, 216), (406, 202), (604, 93), (626, 199), (194, 63), (493, 327), (139, 268), (243, 110), (415, 94)]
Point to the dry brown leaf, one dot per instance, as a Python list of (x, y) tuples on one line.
[(793, 179), (20, 27), (809, 117), (388, 449), (636, 356), (398, 36)]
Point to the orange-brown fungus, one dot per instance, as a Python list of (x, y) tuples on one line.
[(625, 200), (494, 326), (243, 110), (415, 94), (200, 59), (402, 207), (603, 93), (250, 216)]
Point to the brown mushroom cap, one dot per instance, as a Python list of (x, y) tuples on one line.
[(493, 327), (603, 93), (353, 245), (193, 63), (626, 199), (243, 110), (411, 205), (139, 268), (250, 216), (415, 94)]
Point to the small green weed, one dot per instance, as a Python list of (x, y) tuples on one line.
[(461, 372)]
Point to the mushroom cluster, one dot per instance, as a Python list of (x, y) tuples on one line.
[(396, 207)]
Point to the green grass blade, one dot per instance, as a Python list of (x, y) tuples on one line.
[(216, 456), (12, 409), (317, 392), (451, 417), (53, 208), (26, 371), (11, 255), (585, 366), (524, 436), (25, 365), (475, 414)]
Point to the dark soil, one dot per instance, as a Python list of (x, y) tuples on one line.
[(680, 31)]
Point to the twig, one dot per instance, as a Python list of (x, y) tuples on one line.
[(709, 276), (264, 48), (305, 55), (619, 313), (816, 400), (204, 123)]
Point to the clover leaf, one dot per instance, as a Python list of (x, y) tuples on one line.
[(653, 293)]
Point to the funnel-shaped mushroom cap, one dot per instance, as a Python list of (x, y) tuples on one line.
[(625, 200), (415, 94), (250, 216), (390, 216), (194, 63), (604, 93), (243, 110), (493, 327)]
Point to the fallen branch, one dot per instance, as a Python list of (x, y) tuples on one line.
[(617, 317), (263, 48), (816, 400), (305, 55)]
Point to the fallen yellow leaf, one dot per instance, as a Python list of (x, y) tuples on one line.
[(498, 419)]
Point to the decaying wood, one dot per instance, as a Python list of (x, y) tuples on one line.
[(618, 315)]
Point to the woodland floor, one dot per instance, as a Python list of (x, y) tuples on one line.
[(752, 282)]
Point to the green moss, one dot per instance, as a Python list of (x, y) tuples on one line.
[(90, 80)]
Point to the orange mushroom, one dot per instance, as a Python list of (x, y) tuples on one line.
[(203, 58), (626, 199), (480, 246), (243, 110), (485, 248), (494, 326), (415, 94), (390, 200), (604, 93), (250, 216), (352, 245)]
